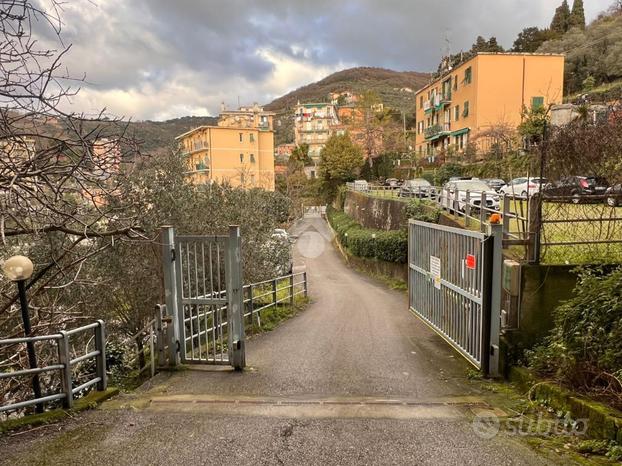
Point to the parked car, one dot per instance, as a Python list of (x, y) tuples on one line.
[(613, 195), (578, 188), (494, 183), (416, 188), (392, 183), (455, 195), (523, 187), (361, 185)]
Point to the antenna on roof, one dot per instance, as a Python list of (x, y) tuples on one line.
[(238, 102)]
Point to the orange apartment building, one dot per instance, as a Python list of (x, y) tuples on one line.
[(239, 151), (487, 91)]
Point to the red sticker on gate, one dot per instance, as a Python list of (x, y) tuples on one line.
[(470, 261)]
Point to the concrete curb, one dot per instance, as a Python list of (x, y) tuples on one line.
[(90, 401), (603, 422)]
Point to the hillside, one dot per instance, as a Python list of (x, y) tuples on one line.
[(158, 136), (395, 88)]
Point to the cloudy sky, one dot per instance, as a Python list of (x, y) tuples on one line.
[(159, 59)]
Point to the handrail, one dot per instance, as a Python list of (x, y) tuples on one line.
[(63, 364)]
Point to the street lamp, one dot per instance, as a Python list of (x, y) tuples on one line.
[(19, 269)]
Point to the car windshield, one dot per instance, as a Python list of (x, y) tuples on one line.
[(419, 182), (472, 185), (537, 180)]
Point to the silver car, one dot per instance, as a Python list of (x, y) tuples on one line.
[(454, 195)]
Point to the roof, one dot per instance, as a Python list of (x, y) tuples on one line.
[(521, 54), (204, 127)]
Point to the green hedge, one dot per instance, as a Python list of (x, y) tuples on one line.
[(389, 246)]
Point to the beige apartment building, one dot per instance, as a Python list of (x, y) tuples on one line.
[(488, 91), (239, 151), (313, 124)]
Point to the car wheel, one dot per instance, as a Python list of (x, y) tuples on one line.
[(524, 194), (576, 198), (611, 201)]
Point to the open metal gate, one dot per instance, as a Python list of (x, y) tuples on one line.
[(203, 283), (451, 288)]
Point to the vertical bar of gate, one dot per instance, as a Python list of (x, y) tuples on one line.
[(291, 290), (159, 335), (496, 233), (482, 212), (64, 358), (306, 289), (100, 359), (235, 299), (467, 209), (167, 239), (506, 216), (487, 247)]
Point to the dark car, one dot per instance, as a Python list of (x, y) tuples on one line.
[(578, 188), (416, 188), (613, 195), (494, 183)]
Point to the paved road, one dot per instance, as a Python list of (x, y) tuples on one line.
[(355, 379)]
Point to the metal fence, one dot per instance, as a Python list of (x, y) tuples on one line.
[(257, 298), (451, 288), (66, 360)]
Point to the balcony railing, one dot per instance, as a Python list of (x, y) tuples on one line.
[(437, 130)]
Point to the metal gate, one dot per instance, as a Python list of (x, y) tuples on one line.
[(203, 282), (451, 288)]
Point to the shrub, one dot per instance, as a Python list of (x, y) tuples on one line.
[(419, 210), (584, 349), (389, 246)]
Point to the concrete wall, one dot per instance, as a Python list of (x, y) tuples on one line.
[(379, 214), (542, 289)]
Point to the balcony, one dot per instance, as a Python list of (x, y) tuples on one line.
[(437, 131), (446, 98)]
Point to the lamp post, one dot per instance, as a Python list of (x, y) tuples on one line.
[(19, 269)]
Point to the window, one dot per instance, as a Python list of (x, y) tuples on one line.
[(242, 178), (421, 102), (455, 83), (241, 158), (241, 137), (457, 113), (252, 179), (468, 75), (537, 102), (252, 158), (465, 109), (252, 137)]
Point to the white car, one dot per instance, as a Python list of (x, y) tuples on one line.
[(523, 187), (455, 195)]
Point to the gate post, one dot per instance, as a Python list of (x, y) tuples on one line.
[(496, 236), (237, 355), (167, 239)]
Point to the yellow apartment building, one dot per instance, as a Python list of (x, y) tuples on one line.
[(239, 151), (487, 92)]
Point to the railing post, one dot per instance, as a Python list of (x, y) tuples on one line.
[(482, 212), (167, 239), (251, 303), (535, 228), (64, 357), (506, 216), (235, 299), (100, 359), (467, 209), (306, 293), (291, 290), (274, 291)]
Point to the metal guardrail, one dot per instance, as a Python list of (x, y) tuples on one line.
[(63, 364), (271, 289), (514, 210)]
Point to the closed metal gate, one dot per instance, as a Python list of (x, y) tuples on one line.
[(450, 287), (205, 293)]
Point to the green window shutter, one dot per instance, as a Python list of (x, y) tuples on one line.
[(468, 75), (465, 110), (537, 102)]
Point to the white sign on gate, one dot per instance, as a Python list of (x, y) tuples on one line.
[(435, 271)]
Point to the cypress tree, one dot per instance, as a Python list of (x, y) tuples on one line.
[(559, 25), (577, 17)]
